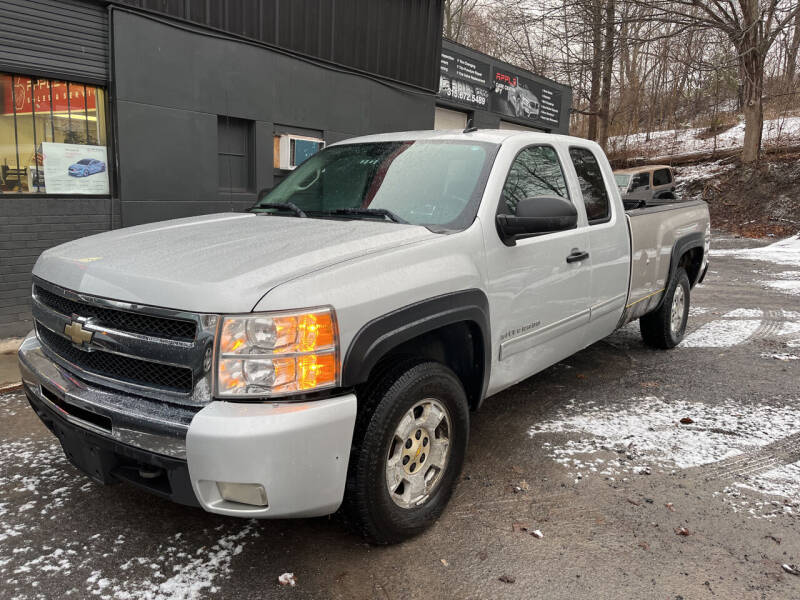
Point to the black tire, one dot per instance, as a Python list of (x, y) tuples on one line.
[(368, 505), (656, 327)]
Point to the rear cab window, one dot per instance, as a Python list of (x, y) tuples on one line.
[(593, 186), (662, 177)]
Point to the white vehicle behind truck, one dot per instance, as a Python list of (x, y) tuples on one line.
[(326, 348)]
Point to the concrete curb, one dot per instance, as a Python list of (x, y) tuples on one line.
[(10, 345), (10, 387)]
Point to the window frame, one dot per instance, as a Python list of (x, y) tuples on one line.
[(249, 156), (563, 174), (605, 219), (110, 119)]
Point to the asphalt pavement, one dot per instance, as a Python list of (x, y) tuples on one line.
[(649, 474)]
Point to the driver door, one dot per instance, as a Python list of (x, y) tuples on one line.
[(540, 286)]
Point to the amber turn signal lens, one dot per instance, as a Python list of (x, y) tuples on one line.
[(315, 370), (315, 331)]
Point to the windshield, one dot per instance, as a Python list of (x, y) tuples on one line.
[(436, 184), (622, 181), (84, 161)]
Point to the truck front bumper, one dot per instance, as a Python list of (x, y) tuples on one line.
[(295, 453)]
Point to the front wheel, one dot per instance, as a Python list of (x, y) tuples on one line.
[(665, 327), (409, 445)]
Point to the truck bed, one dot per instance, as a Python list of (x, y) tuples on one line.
[(654, 231)]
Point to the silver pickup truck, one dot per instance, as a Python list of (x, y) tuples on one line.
[(325, 349)]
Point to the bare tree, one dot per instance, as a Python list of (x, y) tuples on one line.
[(751, 26), (791, 54), (457, 13), (608, 66)]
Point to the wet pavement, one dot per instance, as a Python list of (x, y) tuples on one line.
[(631, 501)]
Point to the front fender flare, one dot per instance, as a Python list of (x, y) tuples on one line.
[(379, 336)]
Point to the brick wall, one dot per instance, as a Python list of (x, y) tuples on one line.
[(29, 226)]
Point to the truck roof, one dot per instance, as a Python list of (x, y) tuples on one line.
[(494, 136)]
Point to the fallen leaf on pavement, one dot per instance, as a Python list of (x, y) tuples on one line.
[(687, 420), (506, 579), (444, 562), (670, 506), (682, 531)]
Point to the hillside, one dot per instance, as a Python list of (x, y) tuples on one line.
[(670, 144), (765, 201)]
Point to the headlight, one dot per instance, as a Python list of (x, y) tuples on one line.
[(275, 354)]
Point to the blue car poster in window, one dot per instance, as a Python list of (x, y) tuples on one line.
[(75, 168)]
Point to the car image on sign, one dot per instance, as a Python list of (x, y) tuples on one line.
[(86, 167)]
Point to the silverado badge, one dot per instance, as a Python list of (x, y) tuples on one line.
[(77, 333)]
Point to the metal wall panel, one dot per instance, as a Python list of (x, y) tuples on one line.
[(398, 39), (172, 84), (58, 38)]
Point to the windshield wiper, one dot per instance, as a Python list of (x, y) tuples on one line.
[(285, 206), (371, 212)]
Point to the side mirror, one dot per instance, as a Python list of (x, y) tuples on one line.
[(535, 216)]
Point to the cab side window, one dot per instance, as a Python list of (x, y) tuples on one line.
[(593, 187), (640, 180), (661, 177), (535, 172)]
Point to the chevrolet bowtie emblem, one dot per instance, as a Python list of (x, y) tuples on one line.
[(78, 334)]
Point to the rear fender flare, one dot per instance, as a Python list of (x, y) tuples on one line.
[(682, 246)]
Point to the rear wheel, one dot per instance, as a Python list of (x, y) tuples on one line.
[(666, 327), (408, 449)]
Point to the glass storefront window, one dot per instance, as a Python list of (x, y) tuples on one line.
[(52, 137)]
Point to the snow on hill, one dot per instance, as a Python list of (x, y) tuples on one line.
[(672, 142)]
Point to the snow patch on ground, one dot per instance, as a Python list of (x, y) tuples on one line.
[(671, 142), (787, 286), (37, 483), (780, 356), (745, 313), (620, 439), (780, 481), (649, 430), (737, 326), (783, 252), (194, 570), (721, 333)]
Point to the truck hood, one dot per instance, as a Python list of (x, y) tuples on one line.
[(214, 263)]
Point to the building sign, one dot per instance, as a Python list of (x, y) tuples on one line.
[(43, 96), (74, 168), (464, 80), (522, 98)]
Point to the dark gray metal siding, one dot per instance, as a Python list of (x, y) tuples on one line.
[(171, 85), (58, 38), (398, 39)]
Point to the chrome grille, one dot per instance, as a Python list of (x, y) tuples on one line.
[(144, 350), (175, 329), (115, 366)]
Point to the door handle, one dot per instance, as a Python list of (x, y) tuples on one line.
[(577, 255)]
